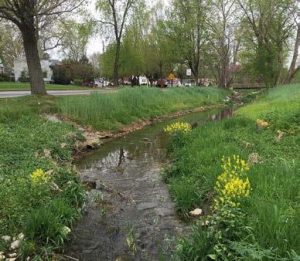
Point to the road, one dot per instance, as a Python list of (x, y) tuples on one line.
[(14, 94)]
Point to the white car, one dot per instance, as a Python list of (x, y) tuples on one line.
[(143, 80)]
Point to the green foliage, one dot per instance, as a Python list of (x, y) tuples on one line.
[(265, 38), (24, 77), (70, 71), (110, 112), (39, 210), (269, 219)]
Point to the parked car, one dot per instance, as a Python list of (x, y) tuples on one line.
[(188, 82), (126, 81), (162, 83), (175, 83), (143, 80), (100, 83)]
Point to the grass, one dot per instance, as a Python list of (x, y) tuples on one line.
[(111, 112), (17, 86), (268, 222), (41, 210)]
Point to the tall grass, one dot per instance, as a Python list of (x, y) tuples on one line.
[(273, 209), (109, 112)]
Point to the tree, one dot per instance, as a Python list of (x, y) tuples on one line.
[(223, 23), (115, 14), (10, 46), (29, 16), (74, 37), (187, 25), (269, 27), (293, 69)]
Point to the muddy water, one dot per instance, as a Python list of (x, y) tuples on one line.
[(130, 215)]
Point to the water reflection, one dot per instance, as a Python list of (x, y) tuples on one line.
[(224, 114), (147, 146)]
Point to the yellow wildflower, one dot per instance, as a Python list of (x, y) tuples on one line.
[(178, 127), (262, 123), (39, 177), (233, 184)]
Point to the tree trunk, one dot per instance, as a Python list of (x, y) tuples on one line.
[(116, 64), (161, 74), (33, 61), (293, 68)]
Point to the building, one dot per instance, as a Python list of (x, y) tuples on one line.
[(21, 69), (1, 67)]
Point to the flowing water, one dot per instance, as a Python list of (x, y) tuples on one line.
[(130, 215)]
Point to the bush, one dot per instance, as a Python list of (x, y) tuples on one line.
[(5, 78), (61, 74), (24, 77), (73, 71), (78, 82)]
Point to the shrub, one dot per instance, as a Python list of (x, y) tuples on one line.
[(24, 77), (61, 74), (78, 82), (5, 78)]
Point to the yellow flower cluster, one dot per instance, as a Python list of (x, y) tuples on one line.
[(178, 127), (233, 184), (262, 123), (237, 188), (39, 177)]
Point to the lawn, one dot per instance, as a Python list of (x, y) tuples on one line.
[(17, 86), (263, 225), (111, 112)]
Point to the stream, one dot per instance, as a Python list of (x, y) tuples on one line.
[(129, 214)]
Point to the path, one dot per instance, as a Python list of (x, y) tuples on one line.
[(14, 94)]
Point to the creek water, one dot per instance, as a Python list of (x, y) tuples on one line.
[(129, 214)]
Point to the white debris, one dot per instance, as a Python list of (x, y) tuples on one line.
[(16, 244), (6, 238), (197, 212)]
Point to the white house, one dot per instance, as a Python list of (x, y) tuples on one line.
[(1, 67), (20, 65)]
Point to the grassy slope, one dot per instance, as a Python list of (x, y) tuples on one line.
[(110, 112), (37, 210), (273, 209), (16, 86)]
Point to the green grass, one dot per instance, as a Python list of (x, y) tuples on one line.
[(40, 211), (17, 86), (111, 112), (280, 100), (272, 212)]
